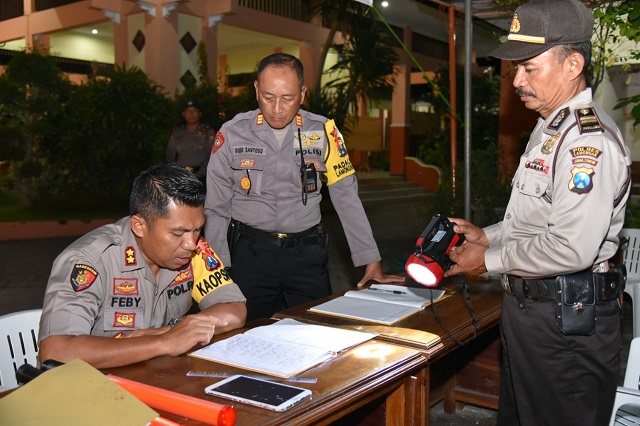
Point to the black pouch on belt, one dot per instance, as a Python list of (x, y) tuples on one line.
[(576, 303), (610, 284)]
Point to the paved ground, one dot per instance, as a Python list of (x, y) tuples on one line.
[(25, 266)]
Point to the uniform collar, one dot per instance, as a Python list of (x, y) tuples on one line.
[(561, 116)]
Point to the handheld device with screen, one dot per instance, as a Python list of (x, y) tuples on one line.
[(261, 393)]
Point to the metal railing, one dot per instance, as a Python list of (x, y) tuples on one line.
[(74, 66), (292, 9), (10, 9)]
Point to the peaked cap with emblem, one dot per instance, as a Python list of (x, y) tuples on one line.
[(538, 25), (190, 103)]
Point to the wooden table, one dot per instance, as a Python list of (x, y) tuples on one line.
[(368, 372), (471, 372)]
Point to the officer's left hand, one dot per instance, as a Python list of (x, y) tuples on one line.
[(468, 258), (374, 272)]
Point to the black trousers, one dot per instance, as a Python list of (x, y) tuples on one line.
[(552, 379), (274, 278)]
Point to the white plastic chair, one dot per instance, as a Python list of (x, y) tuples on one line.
[(18, 343), (632, 262), (626, 408)]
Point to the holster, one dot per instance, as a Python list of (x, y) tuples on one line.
[(610, 284), (323, 237), (576, 303), (233, 233)]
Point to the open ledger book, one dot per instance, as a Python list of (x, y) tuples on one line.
[(282, 349), (380, 303)]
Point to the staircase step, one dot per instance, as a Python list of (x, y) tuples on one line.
[(382, 189)]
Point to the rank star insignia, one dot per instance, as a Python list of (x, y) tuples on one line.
[(130, 256), (581, 180), (550, 143), (559, 119)]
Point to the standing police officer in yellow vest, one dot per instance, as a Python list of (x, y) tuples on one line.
[(264, 180)]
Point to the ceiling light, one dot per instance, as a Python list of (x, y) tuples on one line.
[(94, 31), (384, 4)]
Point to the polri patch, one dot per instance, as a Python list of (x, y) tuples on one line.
[(217, 142), (339, 141), (82, 276), (581, 180)]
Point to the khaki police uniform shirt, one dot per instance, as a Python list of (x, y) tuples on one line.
[(254, 179), (564, 220), (101, 285), (191, 149)]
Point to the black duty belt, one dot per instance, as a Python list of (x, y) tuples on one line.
[(546, 289), (283, 239), (542, 289)]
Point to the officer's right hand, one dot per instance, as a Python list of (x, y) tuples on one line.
[(191, 331)]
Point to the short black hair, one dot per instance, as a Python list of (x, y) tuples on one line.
[(583, 48), (282, 60), (155, 188)]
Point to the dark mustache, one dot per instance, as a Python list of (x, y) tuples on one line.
[(521, 92)]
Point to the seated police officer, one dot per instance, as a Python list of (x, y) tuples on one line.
[(119, 294)]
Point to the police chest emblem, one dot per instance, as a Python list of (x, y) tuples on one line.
[(245, 183), (124, 319), (550, 143), (581, 180), (125, 286), (82, 276)]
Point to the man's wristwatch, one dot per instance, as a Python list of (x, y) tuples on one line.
[(175, 321)]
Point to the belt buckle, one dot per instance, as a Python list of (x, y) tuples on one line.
[(504, 280), (281, 235)]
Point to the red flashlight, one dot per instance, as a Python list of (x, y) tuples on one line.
[(431, 255)]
